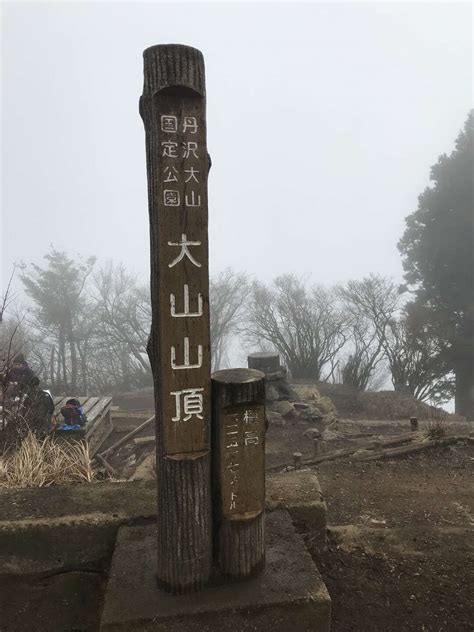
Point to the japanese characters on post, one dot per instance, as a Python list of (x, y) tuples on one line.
[(183, 251)]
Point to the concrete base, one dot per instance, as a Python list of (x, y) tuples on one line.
[(55, 528), (299, 493), (48, 529), (288, 595)]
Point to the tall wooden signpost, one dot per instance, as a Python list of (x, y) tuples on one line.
[(173, 109)]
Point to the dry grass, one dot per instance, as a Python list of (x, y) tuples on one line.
[(437, 428), (40, 463)]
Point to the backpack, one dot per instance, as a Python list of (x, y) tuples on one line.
[(73, 413)]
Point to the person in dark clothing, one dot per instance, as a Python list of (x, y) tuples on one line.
[(38, 409), (20, 376)]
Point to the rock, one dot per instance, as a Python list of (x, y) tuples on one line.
[(316, 414), (147, 469), (329, 436), (287, 391), (311, 414), (277, 375), (329, 419), (326, 406), (303, 414), (283, 407), (301, 405), (271, 393), (312, 433), (274, 418)]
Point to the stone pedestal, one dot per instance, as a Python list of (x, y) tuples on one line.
[(264, 361), (276, 384), (288, 595)]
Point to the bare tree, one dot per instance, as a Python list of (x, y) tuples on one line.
[(411, 351), (374, 299), (122, 317), (368, 304), (227, 293), (304, 324), (8, 296), (415, 358), (12, 341), (367, 352)]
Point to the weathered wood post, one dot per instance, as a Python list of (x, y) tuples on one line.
[(316, 447), (238, 462), (297, 456), (173, 109)]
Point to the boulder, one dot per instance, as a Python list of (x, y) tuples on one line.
[(271, 393), (147, 469), (315, 414), (274, 418), (287, 391), (330, 419), (327, 435), (283, 407), (311, 414), (326, 406), (301, 405), (276, 376)]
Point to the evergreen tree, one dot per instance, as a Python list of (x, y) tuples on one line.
[(57, 291), (438, 258)]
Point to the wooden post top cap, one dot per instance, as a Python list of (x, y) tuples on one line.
[(237, 376), (171, 65), (164, 49)]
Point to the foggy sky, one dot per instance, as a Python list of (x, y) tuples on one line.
[(323, 122)]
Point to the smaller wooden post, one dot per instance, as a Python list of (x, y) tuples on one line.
[(238, 465), (316, 447), (414, 424), (297, 456), (319, 447)]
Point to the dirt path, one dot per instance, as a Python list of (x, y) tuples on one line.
[(433, 488), (401, 544)]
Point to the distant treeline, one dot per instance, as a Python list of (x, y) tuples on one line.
[(87, 328)]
